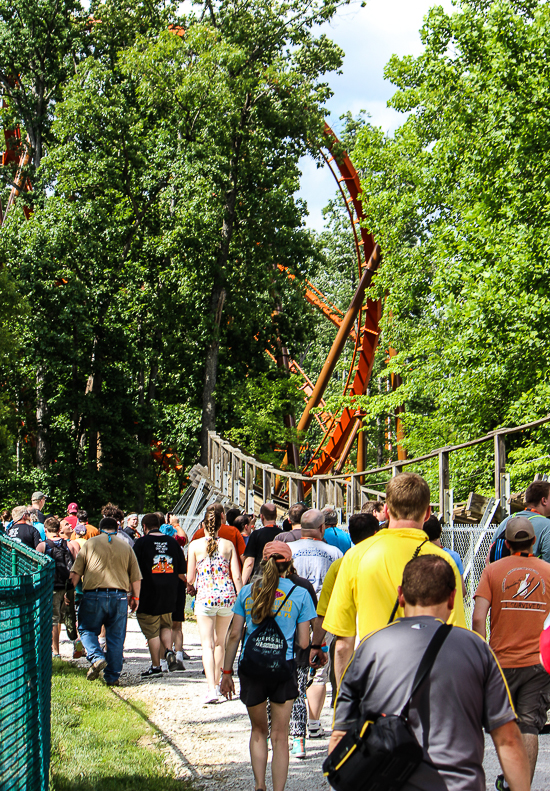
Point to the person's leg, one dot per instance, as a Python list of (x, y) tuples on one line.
[(280, 717), (316, 700), (222, 625), (115, 633), (298, 716), (90, 621), (177, 636), (258, 743), (206, 624), (531, 742), (154, 650), (56, 630)]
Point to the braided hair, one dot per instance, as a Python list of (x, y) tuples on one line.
[(212, 522)]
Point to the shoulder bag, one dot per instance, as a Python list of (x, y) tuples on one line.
[(383, 752)]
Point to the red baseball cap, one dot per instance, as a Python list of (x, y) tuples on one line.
[(72, 508)]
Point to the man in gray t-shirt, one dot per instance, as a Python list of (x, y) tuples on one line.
[(464, 693)]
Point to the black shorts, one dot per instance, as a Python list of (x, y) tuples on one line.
[(257, 690), (179, 609), (530, 691)]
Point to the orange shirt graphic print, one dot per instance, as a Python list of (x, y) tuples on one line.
[(162, 565)]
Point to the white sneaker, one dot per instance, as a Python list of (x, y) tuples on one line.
[(218, 691), (210, 697), (164, 665), (315, 730)]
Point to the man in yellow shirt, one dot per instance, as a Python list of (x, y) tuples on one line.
[(365, 591)]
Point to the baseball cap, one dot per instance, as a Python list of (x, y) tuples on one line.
[(277, 548), (72, 508), (38, 496), (519, 528)]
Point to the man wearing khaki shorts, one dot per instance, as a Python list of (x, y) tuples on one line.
[(162, 563)]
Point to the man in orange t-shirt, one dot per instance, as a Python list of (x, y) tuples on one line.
[(517, 591)]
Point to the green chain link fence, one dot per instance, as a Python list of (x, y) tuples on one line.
[(26, 590)]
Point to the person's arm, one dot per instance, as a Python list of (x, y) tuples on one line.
[(134, 598), (479, 618), (343, 652), (247, 569), (227, 687), (302, 634), (512, 756), (317, 639), (191, 565), (74, 578), (236, 569), (335, 737)]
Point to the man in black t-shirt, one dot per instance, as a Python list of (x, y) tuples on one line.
[(22, 529), (162, 563), (257, 541)]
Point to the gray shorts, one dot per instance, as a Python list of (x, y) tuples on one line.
[(322, 676), (58, 607), (530, 691)]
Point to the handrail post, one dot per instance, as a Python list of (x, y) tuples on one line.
[(444, 478), (500, 462)]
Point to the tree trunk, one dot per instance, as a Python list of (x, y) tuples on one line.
[(42, 414), (93, 389), (217, 298), (210, 374)]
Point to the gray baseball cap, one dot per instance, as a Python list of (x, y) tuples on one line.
[(39, 496)]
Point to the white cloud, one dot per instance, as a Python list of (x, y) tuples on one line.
[(369, 37)]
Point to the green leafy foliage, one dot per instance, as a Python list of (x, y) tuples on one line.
[(458, 198)]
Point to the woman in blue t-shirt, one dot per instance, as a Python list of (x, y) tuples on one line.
[(254, 604)]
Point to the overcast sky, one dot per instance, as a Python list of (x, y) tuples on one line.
[(368, 36)]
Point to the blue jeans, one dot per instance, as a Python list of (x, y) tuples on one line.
[(109, 608)]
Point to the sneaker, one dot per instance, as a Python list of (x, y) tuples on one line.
[(210, 697), (96, 669), (299, 747), (164, 665), (179, 665), (114, 683), (315, 730), (501, 784), (155, 672), (185, 655), (171, 660)]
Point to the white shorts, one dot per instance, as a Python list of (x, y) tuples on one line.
[(212, 610)]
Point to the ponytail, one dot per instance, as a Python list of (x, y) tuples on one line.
[(263, 591), (212, 522)]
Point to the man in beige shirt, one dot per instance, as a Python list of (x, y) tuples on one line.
[(111, 580)]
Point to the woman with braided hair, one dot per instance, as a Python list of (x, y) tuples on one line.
[(213, 568)]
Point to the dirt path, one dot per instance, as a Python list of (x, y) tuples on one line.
[(209, 743)]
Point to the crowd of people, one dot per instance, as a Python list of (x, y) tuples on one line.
[(312, 604)]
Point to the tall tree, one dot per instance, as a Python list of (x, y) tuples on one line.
[(458, 200)]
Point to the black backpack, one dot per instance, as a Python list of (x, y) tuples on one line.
[(264, 653), (498, 548), (61, 555)]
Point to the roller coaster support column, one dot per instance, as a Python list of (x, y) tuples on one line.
[(292, 453), (340, 340)]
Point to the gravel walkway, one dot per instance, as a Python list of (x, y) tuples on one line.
[(209, 744)]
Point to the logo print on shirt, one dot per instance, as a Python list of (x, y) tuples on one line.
[(524, 587), (162, 565)]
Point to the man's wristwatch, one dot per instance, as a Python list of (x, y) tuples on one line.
[(316, 647)]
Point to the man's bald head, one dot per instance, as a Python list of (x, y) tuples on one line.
[(312, 520)]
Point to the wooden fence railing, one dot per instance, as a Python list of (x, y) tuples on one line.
[(247, 482)]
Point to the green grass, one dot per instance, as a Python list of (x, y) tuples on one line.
[(102, 743)]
